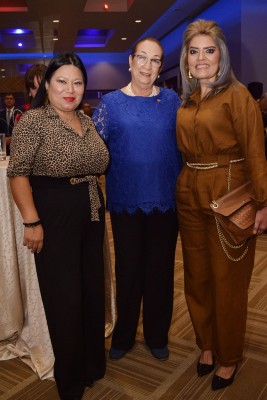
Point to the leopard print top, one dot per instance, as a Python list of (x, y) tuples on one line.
[(43, 144)]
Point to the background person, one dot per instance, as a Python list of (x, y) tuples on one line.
[(56, 158), (7, 118), (33, 78), (263, 108), (137, 123), (219, 132), (86, 107)]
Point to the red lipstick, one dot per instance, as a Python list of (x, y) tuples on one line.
[(69, 99)]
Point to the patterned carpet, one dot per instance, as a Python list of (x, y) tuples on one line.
[(140, 377)]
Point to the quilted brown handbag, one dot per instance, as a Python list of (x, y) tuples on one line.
[(236, 212)]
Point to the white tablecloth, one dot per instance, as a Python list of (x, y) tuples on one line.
[(23, 327)]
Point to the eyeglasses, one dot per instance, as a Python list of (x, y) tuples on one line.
[(142, 60)]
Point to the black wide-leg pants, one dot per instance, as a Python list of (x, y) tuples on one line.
[(71, 277), (144, 253)]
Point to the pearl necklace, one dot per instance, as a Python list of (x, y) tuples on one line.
[(128, 91)]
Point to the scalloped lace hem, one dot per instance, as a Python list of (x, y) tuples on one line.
[(145, 209)]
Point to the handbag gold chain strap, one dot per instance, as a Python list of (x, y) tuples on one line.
[(223, 240), (224, 243)]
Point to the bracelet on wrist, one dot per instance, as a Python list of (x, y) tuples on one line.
[(32, 224)]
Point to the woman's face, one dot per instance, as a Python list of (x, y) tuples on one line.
[(203, 58), (144, 68), (66, 88)]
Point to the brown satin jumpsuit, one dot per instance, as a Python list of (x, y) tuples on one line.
[(223, 127)]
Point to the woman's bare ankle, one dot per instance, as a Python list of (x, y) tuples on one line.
[(206, 357), (225, 372)]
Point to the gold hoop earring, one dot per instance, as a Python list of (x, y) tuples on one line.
[(189, 74), (219, 73)]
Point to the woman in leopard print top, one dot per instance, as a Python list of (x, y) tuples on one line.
[(56, 158)]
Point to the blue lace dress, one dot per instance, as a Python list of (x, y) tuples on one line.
[(145, 162)]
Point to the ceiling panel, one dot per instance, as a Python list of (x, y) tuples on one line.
[(77, 18)]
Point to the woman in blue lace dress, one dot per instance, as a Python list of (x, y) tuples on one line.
[(137, 123)]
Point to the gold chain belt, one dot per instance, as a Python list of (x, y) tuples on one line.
[(211, 165), (215, 165)]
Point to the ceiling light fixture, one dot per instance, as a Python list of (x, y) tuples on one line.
[(137, 21), (124, 38), (16, 31), (55, 21), (105, 6)]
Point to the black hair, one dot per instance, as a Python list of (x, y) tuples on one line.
[(57, 62)]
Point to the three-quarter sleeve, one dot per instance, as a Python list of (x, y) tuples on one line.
[(25, 141), (100, 119)]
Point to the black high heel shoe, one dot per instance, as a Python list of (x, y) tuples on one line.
[(220, 383), (205, 369)]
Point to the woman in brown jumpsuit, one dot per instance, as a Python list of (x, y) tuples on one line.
[(219, 132)]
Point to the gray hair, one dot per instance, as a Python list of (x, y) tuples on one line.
[(226, 75)]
